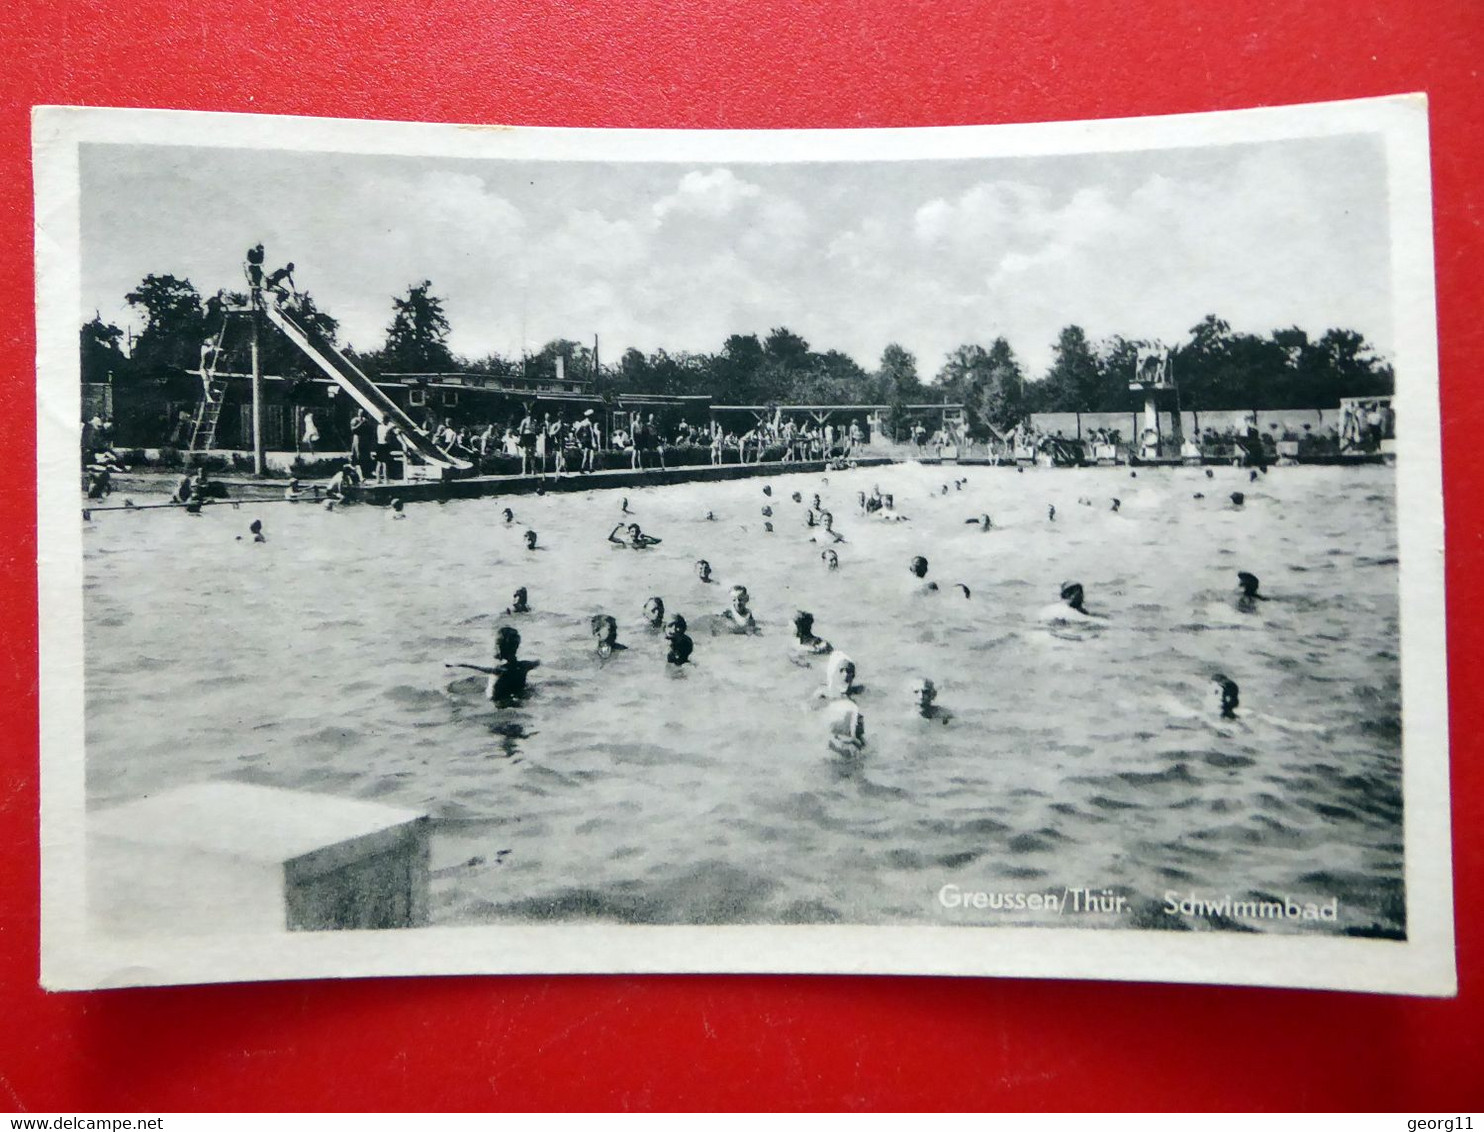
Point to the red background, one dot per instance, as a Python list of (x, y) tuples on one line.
[(737, 1042)]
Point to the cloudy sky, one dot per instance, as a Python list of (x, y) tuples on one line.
[(852, 256)]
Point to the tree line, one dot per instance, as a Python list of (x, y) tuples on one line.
[(1215, 367)]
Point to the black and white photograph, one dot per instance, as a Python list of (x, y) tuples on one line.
[(992, 550)]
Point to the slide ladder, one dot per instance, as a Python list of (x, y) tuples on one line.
[(208, 412), (339, 369), (213, 392)]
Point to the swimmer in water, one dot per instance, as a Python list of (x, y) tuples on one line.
[(255, 528), (519, 602), (530, 537), (919, 568), (839, 682), (605, 633), (1238, 499), (804, 639), (507, 677), (768, 527), (509, 515), (654, 613), (797, 498), (703, 571), (396, 512), (1226, 693), (1210, 475), (681, 646), (1117, 503), (710, 517), (924, 701), (767, 490), (738, 617), (637, 539), (1248, 583), (624, 506), (1199, 495), (1252, 476), (1051, 513), (831, 559), (983, 522), (827, 529), (964, 588), (1070, 607), (767, 512), (847, 730)]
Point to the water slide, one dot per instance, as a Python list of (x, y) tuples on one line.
[(340, 370)]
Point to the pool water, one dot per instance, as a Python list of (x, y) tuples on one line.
[(629, 790)]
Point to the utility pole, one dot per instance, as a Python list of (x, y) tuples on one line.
[(259, 465)]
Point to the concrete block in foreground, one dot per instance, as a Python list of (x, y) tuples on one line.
[(234, 857)]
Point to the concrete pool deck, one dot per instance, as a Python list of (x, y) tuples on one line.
[(476, 487), (249, 488)]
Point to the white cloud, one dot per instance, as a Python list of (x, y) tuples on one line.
[(714, 193), (652, 256)]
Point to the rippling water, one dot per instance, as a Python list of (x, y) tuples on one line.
[(630, 791)]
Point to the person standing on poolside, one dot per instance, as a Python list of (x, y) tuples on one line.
[(527, 431), (587, 440), (386, 439)]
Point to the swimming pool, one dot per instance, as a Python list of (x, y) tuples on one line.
[(630, 791)]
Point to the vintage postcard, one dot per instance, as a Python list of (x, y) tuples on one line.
[(977, 551)]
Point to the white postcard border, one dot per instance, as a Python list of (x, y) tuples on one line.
[(72, 958)]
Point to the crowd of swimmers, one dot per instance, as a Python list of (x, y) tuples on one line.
[(507, 675), (838, 695)]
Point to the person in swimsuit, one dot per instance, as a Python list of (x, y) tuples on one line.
[(703, 571), (827, 531), (519, 602), (918, 567), (507, 676), (654, 613), (527, 430), (839, 680), (1228, 696), (605, 634), (738, 617), (1070, 607), (804, 639), (1248, 584), (637, 539), (255, 256), (924, 695), (681, 646)]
